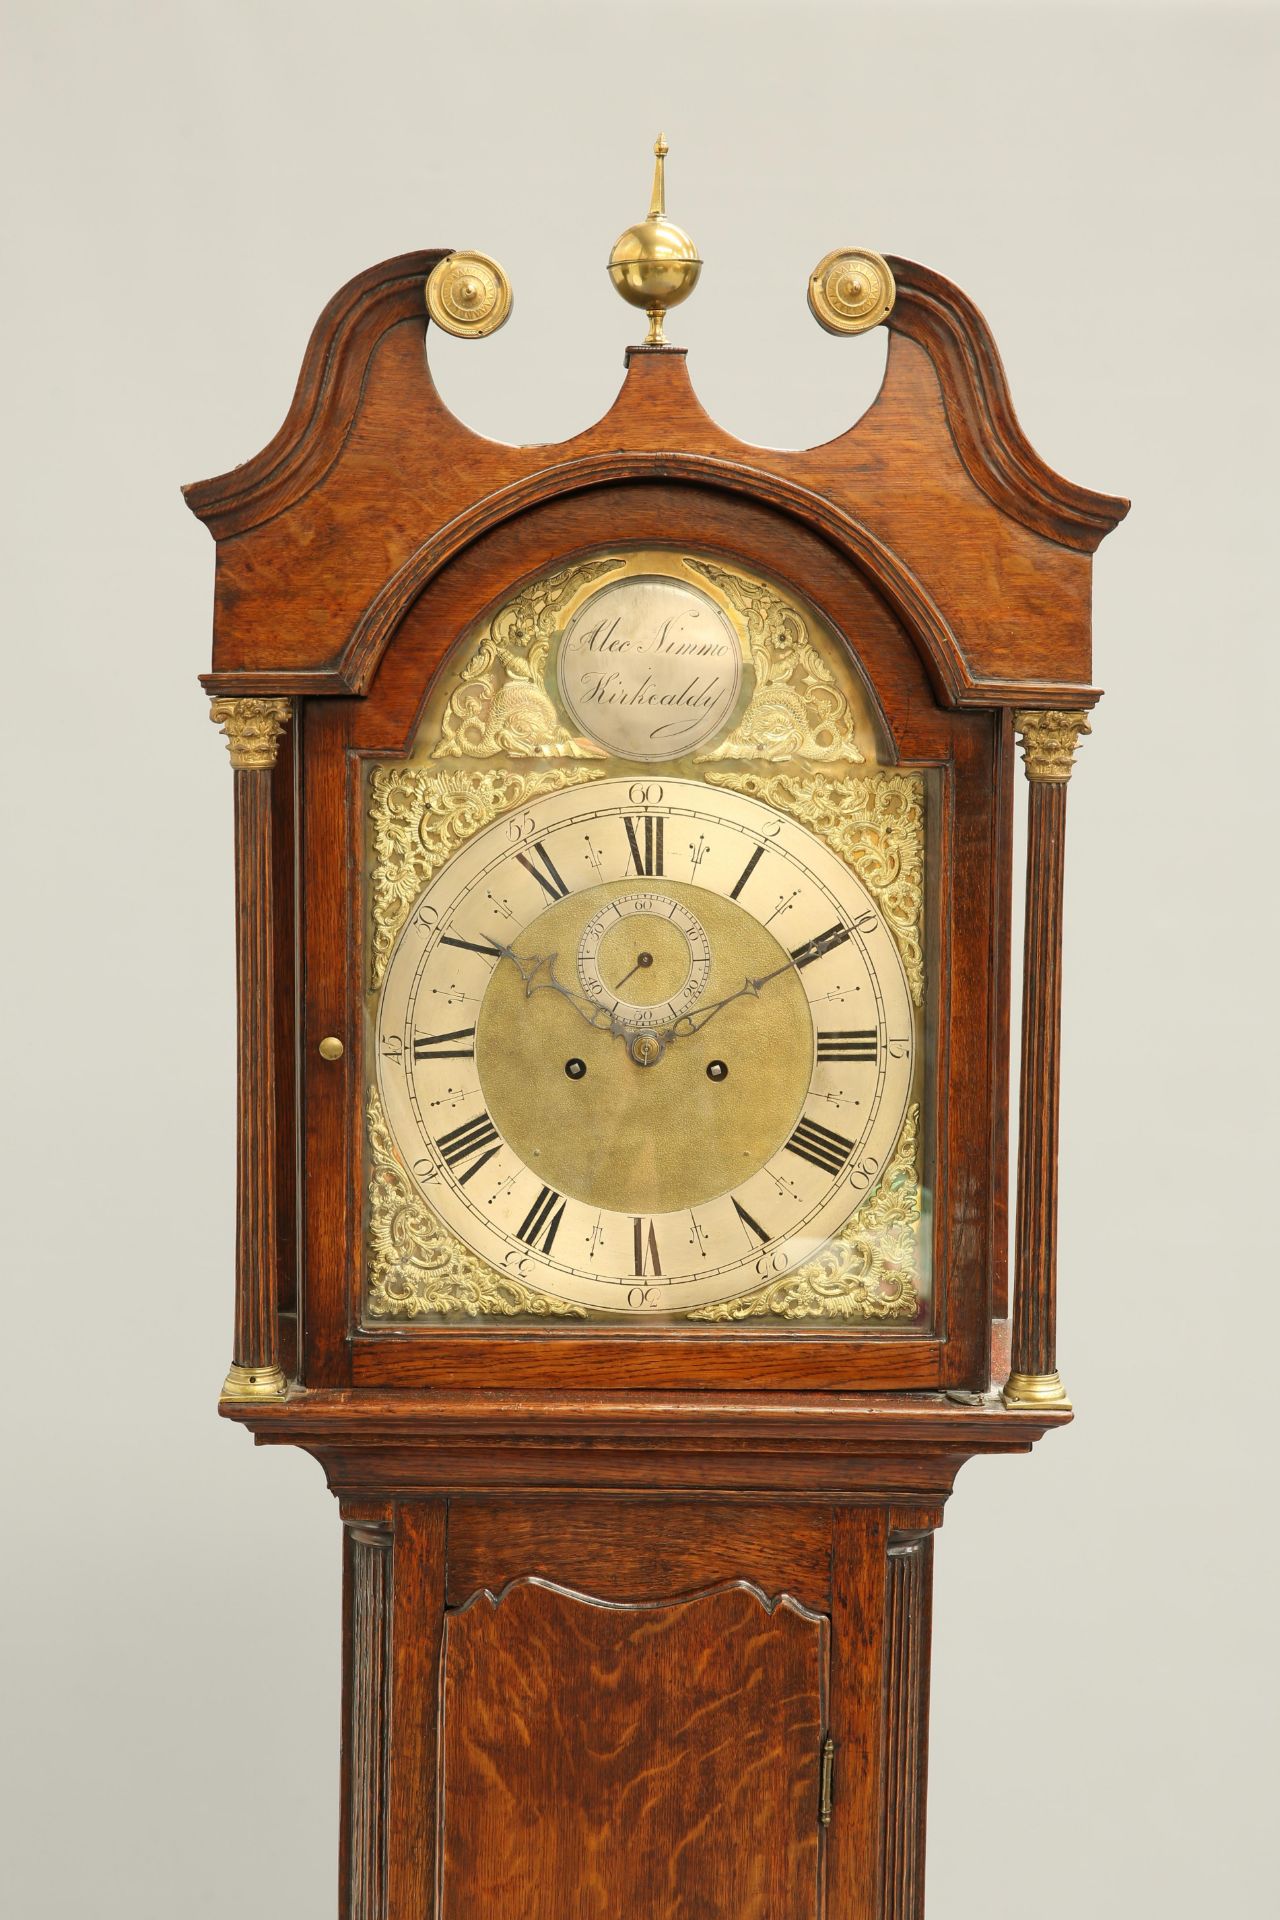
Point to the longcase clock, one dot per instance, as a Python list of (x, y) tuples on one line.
[(624, 884)]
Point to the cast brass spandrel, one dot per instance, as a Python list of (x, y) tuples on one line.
[(415, 1265), (419, 817)]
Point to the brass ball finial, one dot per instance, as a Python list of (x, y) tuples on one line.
[(655, 264)]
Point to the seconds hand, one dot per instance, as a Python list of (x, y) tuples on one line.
[(642, 960)]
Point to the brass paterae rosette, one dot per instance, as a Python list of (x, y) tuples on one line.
[(469, 295), (851, 290)]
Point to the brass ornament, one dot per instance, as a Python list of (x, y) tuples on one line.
[(851, 290), (469, 295), (254, 1383), (866, 1271), (253, 729), (501, 704), (1049, 741), (796, 711), (655, 265), (416, 1265), (875, 823), (1035, 1392), (420, 817), (331, 1048)]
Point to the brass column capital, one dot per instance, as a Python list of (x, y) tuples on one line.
[(253, 728), (1049, 739)]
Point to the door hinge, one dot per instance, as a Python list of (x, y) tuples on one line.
[(826, 1781)]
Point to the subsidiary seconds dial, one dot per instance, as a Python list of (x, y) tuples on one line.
[(645, 1047), (664, 949)]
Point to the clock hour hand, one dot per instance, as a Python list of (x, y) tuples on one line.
[(529, 970)]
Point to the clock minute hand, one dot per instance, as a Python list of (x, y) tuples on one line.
[(690, 1023)]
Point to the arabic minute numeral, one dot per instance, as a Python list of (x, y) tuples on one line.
[(476, 1141), (820, 1146), (539, 1226), (550, 881), (858, 1043), (810, 950), (436, 1046)]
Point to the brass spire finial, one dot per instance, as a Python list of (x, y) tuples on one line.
[(655, 264), (658, 198)]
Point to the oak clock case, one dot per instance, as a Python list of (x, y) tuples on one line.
[(624, 891)]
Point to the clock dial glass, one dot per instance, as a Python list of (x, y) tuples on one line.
[(645, 1040)]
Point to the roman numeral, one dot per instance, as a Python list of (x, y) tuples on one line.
[(860, 1043), (649, 862), (550, 881), (820, 1146), (471, 1141), (435, 1046), (538, 1228), (747, 872), (485, 947), (821, 943), (647, 1260), (752, 1226)]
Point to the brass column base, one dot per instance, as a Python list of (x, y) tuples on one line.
[(1038, 1391), (254, 1383)]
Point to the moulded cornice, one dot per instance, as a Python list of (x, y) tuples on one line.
[(929, 309), (996, 452), (324, 402), (934, 493), (409, 1443)]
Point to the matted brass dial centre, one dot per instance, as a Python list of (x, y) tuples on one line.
[(619, 1136)]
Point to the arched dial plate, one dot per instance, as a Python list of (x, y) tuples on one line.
[(643, 1047)]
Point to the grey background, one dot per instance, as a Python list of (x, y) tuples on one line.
[(187, 185)]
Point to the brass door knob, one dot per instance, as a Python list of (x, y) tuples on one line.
[(331, 1047)]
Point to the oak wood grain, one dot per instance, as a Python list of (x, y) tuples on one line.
[(417, 1622), (614, 1760), (639, 1549), (367, 1671)]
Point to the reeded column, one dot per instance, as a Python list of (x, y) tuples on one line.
[(908, 1618), (1049, 741), (368, 1671), (253, 729)]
